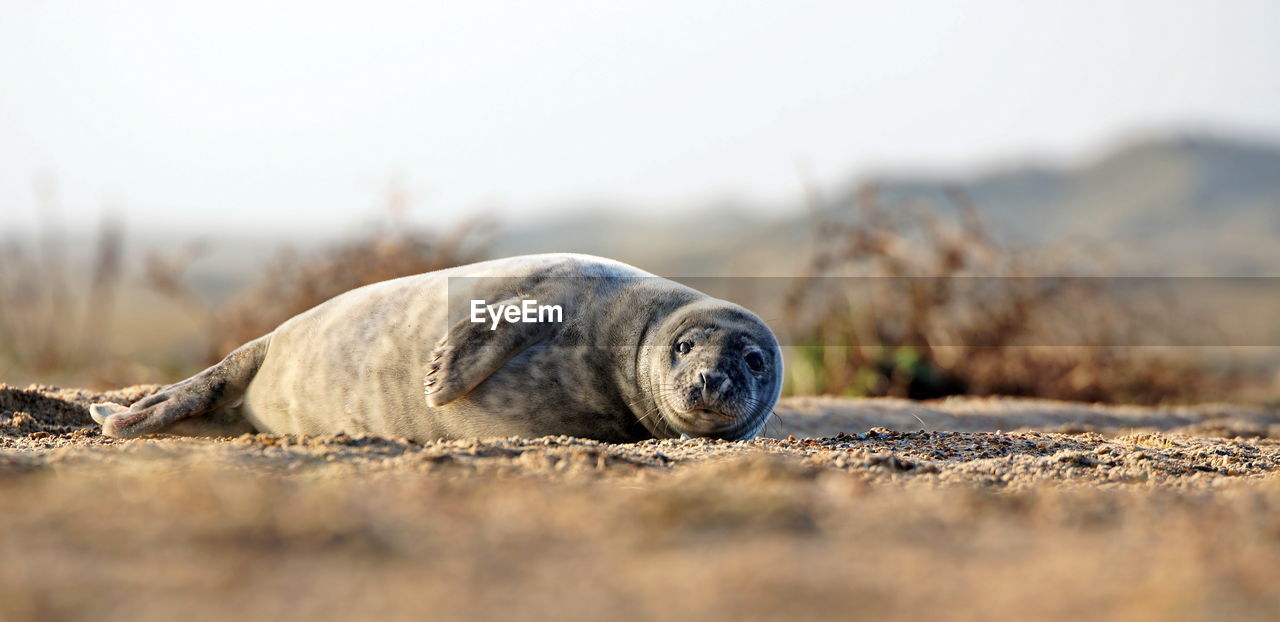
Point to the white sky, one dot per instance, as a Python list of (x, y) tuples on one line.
[(254, 114)]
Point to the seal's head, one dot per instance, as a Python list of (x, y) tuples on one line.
[(715, 370)]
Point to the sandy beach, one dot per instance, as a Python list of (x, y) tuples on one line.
[(852, 508)]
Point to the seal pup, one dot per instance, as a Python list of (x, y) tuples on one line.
[(633, 356)]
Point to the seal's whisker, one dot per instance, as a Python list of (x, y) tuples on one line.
[(649, 413)]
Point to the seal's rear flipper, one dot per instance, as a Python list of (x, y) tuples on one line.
[(100, 412), (472, 351), (221, 385)]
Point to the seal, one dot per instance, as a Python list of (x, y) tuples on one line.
[(630, 356)]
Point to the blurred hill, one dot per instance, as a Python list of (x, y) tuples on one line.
[(1182, 205), (1187, 205)]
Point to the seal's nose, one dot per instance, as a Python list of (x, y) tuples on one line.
[(713, 385)]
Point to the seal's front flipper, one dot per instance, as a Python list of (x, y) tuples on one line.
[(472, 351), (220, 385)]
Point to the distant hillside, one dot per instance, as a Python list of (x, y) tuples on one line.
[(1199, 205), (1190, 205), (1175, 205)]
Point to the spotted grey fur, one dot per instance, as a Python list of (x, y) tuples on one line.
[(635, 357)]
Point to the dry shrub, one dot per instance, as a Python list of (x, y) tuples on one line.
[(922, 307), (56, 315), (26, 302), (294, 282), (43, 298)]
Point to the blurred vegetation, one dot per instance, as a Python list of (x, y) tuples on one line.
[(49, 323), (64, 323), (942, 308), (896, 322), (56, 329)]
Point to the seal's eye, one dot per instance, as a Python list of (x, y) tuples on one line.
[(683, 347), (755, 361)]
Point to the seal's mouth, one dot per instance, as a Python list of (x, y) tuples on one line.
[(711, 423), (709, 414)]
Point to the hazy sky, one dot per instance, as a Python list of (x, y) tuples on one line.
[(258, 113)]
